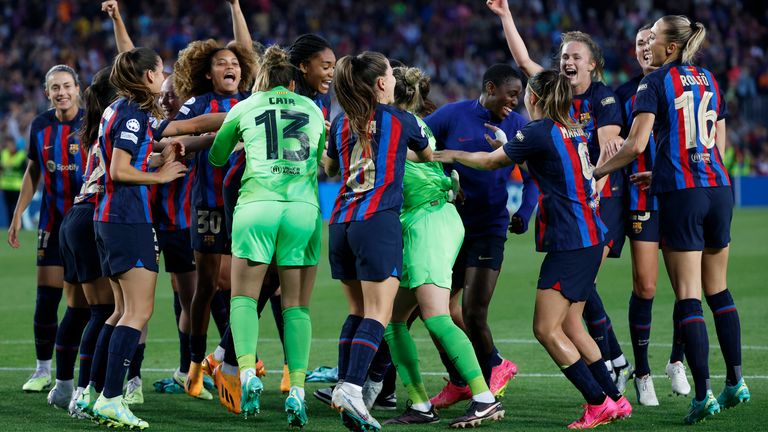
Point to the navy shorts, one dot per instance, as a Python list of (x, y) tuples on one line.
[(643, 226), (209, 235), (483, 252), (125, 246), (76, 240), (613, 215), (176, 247), (572, 272), (48, 247), (369, 250), (697, 218)]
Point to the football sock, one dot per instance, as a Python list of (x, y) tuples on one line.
[(459, 350), (348, 330), (363, 348), (100, 357), (99, 315), (694, 332), (640, 332), (122, 346), (298, 339), (728, 333), (603, 378), (46, 320), (597, 323), (68, 337), (134, 370), (245, 330), (580, 376), (405, 357)]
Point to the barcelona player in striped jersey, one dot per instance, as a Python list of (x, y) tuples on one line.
[(54, 154), (211, 78), (569, 230), (643, 233), (124, 234), (596, 107), (368, 145), (684, 108)]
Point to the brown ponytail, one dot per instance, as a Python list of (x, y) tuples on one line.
[(97, 98), (128, 77), (554, 92)]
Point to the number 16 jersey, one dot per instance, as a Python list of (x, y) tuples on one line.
[(284, 136), (688, 104)]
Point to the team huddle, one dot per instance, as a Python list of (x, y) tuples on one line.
[(216, 167)]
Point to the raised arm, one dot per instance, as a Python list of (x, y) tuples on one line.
[(514, 40), (240, 25), (122, 38)]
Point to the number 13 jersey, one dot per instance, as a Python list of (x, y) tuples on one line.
[(284, 136), (688, 104)]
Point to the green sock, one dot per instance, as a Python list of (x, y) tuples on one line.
[(298, 339), (405, 357), (244, 323), (458, 347)]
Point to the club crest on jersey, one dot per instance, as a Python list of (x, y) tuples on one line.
[(74, 148), (519, 136), (133, 125), (585, 117)]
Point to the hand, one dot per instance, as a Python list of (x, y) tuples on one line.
[(641, 179), (500, 138), (613, 146), (517, 224), (13, 233), (327, 128), (111, 8), (499, 7), (175, 151), (444, 156), (171, 170)]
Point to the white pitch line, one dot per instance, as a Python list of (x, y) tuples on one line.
[(280, 371), (418, 340)]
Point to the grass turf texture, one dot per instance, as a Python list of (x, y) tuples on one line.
[(539, 399)]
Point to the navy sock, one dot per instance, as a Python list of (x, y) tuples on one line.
[(613, 343), (678, 348), (230, 356), (348, 330), (488, 362), (46, 320), (177, 307), (381, 363), (390, 382), (275, 302), (197, 345), (68, 338), (453, 374), (597, 323), (728, 333), (100, 355), (640, 313), (99, 315), (134, 370), (600, 372), (580, 376), (694, 332), (362, 350), (122, 347), (220, 310), (185, 355)]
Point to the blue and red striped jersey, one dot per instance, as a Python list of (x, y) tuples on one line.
[(688, 104), (92, 177), (55, 147), (595, 108), (208, 181), (372, 179), (461, 126), (639, 200), (127, 127), (558, 160), (171, 202)]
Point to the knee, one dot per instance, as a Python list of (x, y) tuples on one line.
[(475, 317), (543, 332), (644, 287)]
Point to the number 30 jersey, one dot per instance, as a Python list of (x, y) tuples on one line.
[(688, 104), (558, 160), (284, 136)]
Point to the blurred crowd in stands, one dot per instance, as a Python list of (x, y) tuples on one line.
[(452, 40)]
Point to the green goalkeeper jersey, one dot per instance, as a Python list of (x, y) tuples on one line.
[(284, 136), (423, 182)]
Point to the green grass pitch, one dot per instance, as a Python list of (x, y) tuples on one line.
[(538, 399)]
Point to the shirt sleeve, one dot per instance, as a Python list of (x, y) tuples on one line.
[(417, 138), (226, 140), (607, 108), (333, 151), (321, 143), (158, 127), (723, 114), (529, 200), (33, 148), (128, 131), (190, 109), (523, 144), (647, 97)]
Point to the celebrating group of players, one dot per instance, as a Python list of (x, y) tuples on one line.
[(417, 229)]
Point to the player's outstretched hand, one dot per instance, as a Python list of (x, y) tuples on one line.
[(641, 179), (499, 137), (499, 7), (172, 170), (111, 8)]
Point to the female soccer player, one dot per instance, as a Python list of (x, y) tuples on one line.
[(461, 126), (430, 223), (54, 153), (277, 214), (683, 107), (596, 107), (644, 236), (369, 146), (124, 234), (211, 78), (555, 151)]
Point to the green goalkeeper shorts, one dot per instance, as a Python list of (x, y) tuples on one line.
[(431, 243), (290, 231)]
